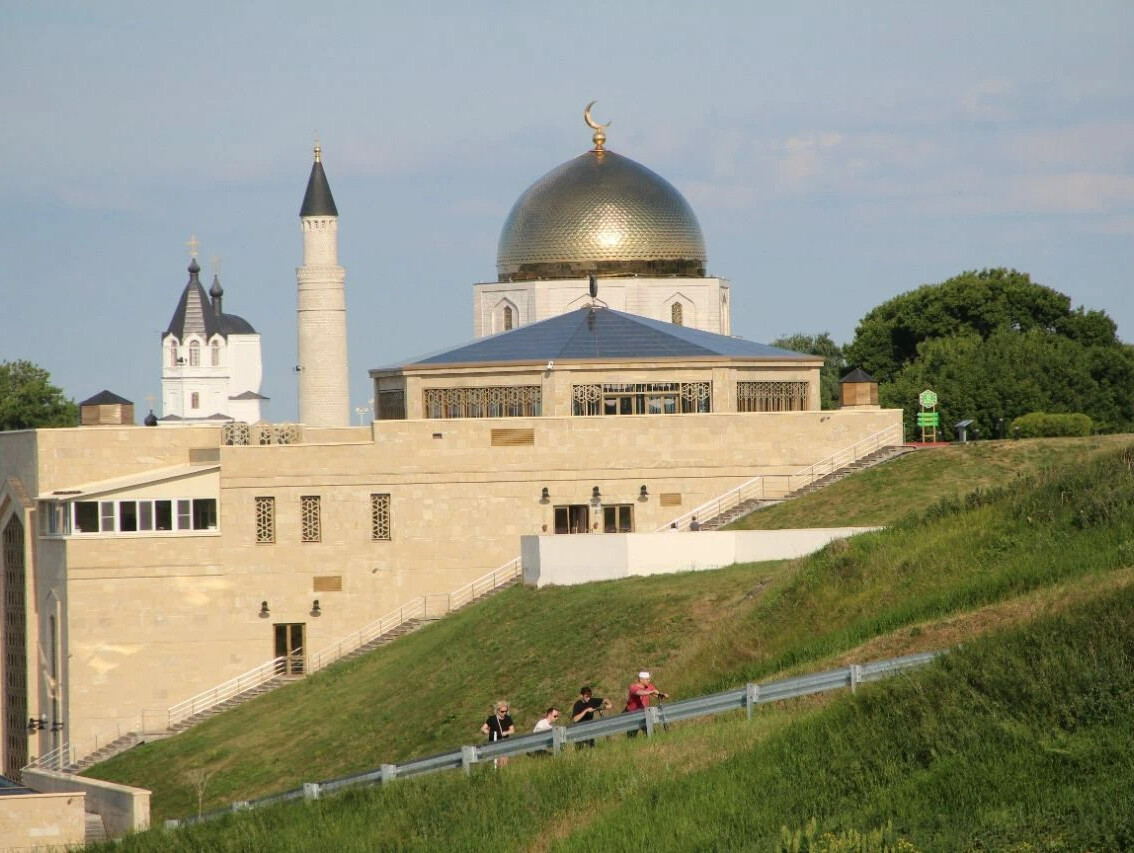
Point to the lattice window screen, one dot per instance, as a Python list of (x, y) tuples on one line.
[(771, 396), (497, 401), (380, 517), (236, 433), (310, 525), (266, 519)]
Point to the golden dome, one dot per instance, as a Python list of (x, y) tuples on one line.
[(603, 214)]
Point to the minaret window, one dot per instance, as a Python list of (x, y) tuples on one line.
[(195, 400), (194, 353), (215, 354), (676, 314), (507, 318), (173, 353)]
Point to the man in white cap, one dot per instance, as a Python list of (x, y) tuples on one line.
[(641, 691)]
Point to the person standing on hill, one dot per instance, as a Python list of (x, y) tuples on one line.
[(583, 711), (638, 696), (548, 721), (499, 726)]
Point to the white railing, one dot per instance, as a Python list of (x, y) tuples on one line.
[(357, 639), (58, 759), (778, 486), (223, 692)]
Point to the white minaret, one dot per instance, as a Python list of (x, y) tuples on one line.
[(324, 395)]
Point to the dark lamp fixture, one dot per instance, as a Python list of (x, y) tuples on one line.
[(35, 725), (596, 495), (264, 612), (544, 496), (643, 495), (316, 610)]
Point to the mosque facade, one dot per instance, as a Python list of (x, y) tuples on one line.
[(144, 565)]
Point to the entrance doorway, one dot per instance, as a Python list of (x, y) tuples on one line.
[(289, 646), (575, 518)]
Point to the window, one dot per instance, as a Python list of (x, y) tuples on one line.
[(392, 405), (194, 353), (507, 318), (771, 396), (53, 518), (676, 315), (643, 398), (618, 518), (215, 353), (572, 519), (501, 401), (145, 515), (127, 516), (183, 516), (266, 519), (380, 517), (163, 515), (173, 353), (106, 516), (309, 521), (195, 400), (204, 514), (86, 517)]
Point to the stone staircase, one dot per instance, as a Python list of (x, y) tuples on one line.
[(95, 830), (883, 454)]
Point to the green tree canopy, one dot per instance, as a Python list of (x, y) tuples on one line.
[(834, 363), (993, 344), (28, 399)]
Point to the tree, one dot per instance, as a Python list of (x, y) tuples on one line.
[(994, 345), (834, 363), (28, 399)]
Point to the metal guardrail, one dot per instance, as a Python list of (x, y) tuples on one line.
[(777, 486), (744, 698)]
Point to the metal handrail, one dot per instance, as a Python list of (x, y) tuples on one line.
[(649, 720), (809, 474), (222, 692)]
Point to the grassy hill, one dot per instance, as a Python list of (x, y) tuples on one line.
[(1040, 535)]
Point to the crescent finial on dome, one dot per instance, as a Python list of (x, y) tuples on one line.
[(599, 129), (318, 148)]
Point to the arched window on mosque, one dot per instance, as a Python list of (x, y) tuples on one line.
[(507, 318), (215, 353), (173, 353), (675, 314), (194, 353)]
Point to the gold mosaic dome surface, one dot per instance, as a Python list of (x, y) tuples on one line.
[(603, 214)]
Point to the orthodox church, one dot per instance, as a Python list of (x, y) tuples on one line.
[(601, 393)]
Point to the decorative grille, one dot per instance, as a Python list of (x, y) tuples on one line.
[(263, 433), (236, 433), (676, 314), (497, 401), (310, 528), (287, 434), (771, 396), (642, 398), (266, 519), (380, 517), (586, 399), (15, 649), (392, 405)]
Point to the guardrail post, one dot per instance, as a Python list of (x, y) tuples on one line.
[(310, 790), (241, 806), (558, 738), (855, 676), (751, 697), (172, 823), (468, 758), (389, 773), (651, 720)]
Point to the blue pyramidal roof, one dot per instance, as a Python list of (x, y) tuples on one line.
[(601, 333)]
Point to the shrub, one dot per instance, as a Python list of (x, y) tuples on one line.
[(1045, 425)]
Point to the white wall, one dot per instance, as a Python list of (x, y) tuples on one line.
[(568, 560)]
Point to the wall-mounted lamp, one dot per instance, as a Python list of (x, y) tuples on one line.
[(544, 496), (180, 359), (35, 725), (643, 495), (264, 612), (596, 496), (316, 610), (298, 368)]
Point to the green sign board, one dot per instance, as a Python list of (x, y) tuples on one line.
[(928, 419), (927, 398)]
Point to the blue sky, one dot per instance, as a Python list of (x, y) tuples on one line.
[(836, 154)]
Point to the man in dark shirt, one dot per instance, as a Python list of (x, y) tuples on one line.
[(584, 709)]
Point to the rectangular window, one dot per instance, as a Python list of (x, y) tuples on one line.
[(498, 401), (310, 524), (642, 398), (392, 405), (163, 515), (86, 517), (145, 515), (195, 400), (184, 518), (572, 519), (380, 517), (106, 516), (266, 519), (618, 518), (127, 516), (771, 396), (204, 514)]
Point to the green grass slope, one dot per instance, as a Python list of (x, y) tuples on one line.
[(1042, 541), (1018, 741)]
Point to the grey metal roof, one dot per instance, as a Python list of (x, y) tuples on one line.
[(318, 201), (602, 333), (106, 398), (196, 314), (857, 375)]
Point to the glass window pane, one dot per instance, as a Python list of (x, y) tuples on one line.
[(163, 515), (86, 517), (127, 516), (184, 520), (204, 514), (145, 515), (106, 515)]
